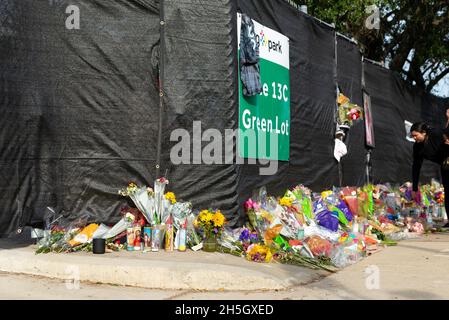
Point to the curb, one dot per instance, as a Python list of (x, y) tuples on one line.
[(212, 271)]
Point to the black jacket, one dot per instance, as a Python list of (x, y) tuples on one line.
[(432, 149)]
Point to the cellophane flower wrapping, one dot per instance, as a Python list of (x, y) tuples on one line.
[(316, 230), (260, 219), (303, 195), (121, 226), (179, 212), (61, 232), (193, 238), (167, 210), (332, 203), (296, 208), (143, 201), (288, 220), (327, 220), (343, 207), (349, 195), (159, 192), (230, 239), (343, 256), (319, 246)]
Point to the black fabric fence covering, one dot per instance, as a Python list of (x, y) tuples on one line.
[(312, 96), (349, 79), (199, 86), (392, 104), (78, 113), (83, 112)]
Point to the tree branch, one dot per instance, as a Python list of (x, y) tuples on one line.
[(428, 68), (434, 82)]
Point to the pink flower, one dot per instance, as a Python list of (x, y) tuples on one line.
[(162, 180), (250, 204)]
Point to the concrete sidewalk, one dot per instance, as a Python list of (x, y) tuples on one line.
[(415, 269), (156, 270)]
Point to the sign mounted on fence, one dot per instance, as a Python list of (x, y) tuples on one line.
[(264, 91), (369, 129)]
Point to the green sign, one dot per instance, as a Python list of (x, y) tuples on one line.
[(264, 119)]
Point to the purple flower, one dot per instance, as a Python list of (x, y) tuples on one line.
[(244, 236), (253, 237), (408, 195)]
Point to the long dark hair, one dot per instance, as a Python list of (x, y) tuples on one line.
[(420, 127)]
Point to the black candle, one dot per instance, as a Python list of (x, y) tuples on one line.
[(99, 246)]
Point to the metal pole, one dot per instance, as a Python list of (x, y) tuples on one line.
[(337, 91), (368, 170), (347, 38), (161, 86)]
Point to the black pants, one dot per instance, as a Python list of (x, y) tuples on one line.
[(445, 178)]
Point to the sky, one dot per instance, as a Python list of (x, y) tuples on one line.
[(442, 88)]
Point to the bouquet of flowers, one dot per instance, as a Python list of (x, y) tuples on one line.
[(286, 214), (247, 237), (64, 236), (161, 203), (153, 203), (259, 253), (212, 222), (53, 241), (127, 220), (230, 242), (193, 239), (304, 200), (180, 211), (143, 198), (347, 111)]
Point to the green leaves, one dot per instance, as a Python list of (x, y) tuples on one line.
[(418, 27)]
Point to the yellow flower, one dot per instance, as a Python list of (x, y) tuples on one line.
[(263, 251), (287, 202), (205, 216), (266, 215), (171, 197), (342, 99), (218, 219), (268, 256)]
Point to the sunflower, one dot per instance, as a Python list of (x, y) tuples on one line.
[(205, 216), (171, 197), (218, 219)]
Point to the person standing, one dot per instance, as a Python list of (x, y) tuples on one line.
[(429, 145)]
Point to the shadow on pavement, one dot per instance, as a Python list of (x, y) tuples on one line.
[(416, 295), (15, 241)]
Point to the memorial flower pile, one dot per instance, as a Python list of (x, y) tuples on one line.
[(326, 231)]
